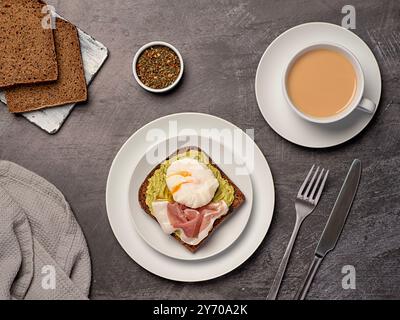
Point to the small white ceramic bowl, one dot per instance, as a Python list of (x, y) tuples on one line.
[(152, 44)]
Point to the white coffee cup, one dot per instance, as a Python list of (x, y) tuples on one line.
[(359, 102)]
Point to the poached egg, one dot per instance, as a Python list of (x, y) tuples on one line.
[(191, 182)]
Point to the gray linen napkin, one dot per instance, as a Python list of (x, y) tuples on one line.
[(43, 252)]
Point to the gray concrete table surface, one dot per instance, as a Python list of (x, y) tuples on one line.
[(222, 43)]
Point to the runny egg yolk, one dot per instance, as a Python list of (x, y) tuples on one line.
[(180, 173), (176, 188)]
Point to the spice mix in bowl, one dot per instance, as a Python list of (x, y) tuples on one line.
[(158, 66)]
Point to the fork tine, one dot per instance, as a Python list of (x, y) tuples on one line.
[(317, 183), (311, 184), (305, 181), (321, 188)]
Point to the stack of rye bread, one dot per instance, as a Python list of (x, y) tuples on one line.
[(39, 67)]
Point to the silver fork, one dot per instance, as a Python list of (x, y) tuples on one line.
[(306, 201)]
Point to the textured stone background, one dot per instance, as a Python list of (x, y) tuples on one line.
[(222, 43)]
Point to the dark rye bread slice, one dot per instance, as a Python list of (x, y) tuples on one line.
[(71, 84), (27, 51), (237, 202)]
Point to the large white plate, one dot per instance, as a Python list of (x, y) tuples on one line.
[(121, 221), (271, 100), (230, 229)]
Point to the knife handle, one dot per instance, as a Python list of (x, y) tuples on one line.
[(301, 295)]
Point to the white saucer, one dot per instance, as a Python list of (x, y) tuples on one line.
[(271, 100), (121, 221), (229, 231)]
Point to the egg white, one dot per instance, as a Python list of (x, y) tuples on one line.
[(191, 182)]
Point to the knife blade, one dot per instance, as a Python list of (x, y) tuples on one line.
[(340, 211), (335, 224)]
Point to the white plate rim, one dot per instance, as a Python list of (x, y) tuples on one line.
[(277, 130), (207, 276)]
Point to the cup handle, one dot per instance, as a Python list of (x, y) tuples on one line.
[(366, 105)]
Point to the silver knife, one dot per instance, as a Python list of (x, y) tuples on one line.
[(335, 224)]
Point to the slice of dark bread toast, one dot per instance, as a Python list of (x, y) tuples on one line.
[(27, 51), (239, 198), (70, 86)]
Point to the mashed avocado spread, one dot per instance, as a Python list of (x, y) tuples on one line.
[(157, 189)]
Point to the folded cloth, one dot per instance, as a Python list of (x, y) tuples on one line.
[(43, 252)]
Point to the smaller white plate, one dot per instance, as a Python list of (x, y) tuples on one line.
[(226, 234)]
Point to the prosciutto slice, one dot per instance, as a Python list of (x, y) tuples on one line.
[(189, 220), (211, 211), (193, 221)]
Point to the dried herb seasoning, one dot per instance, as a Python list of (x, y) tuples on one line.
[(158, 67)]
